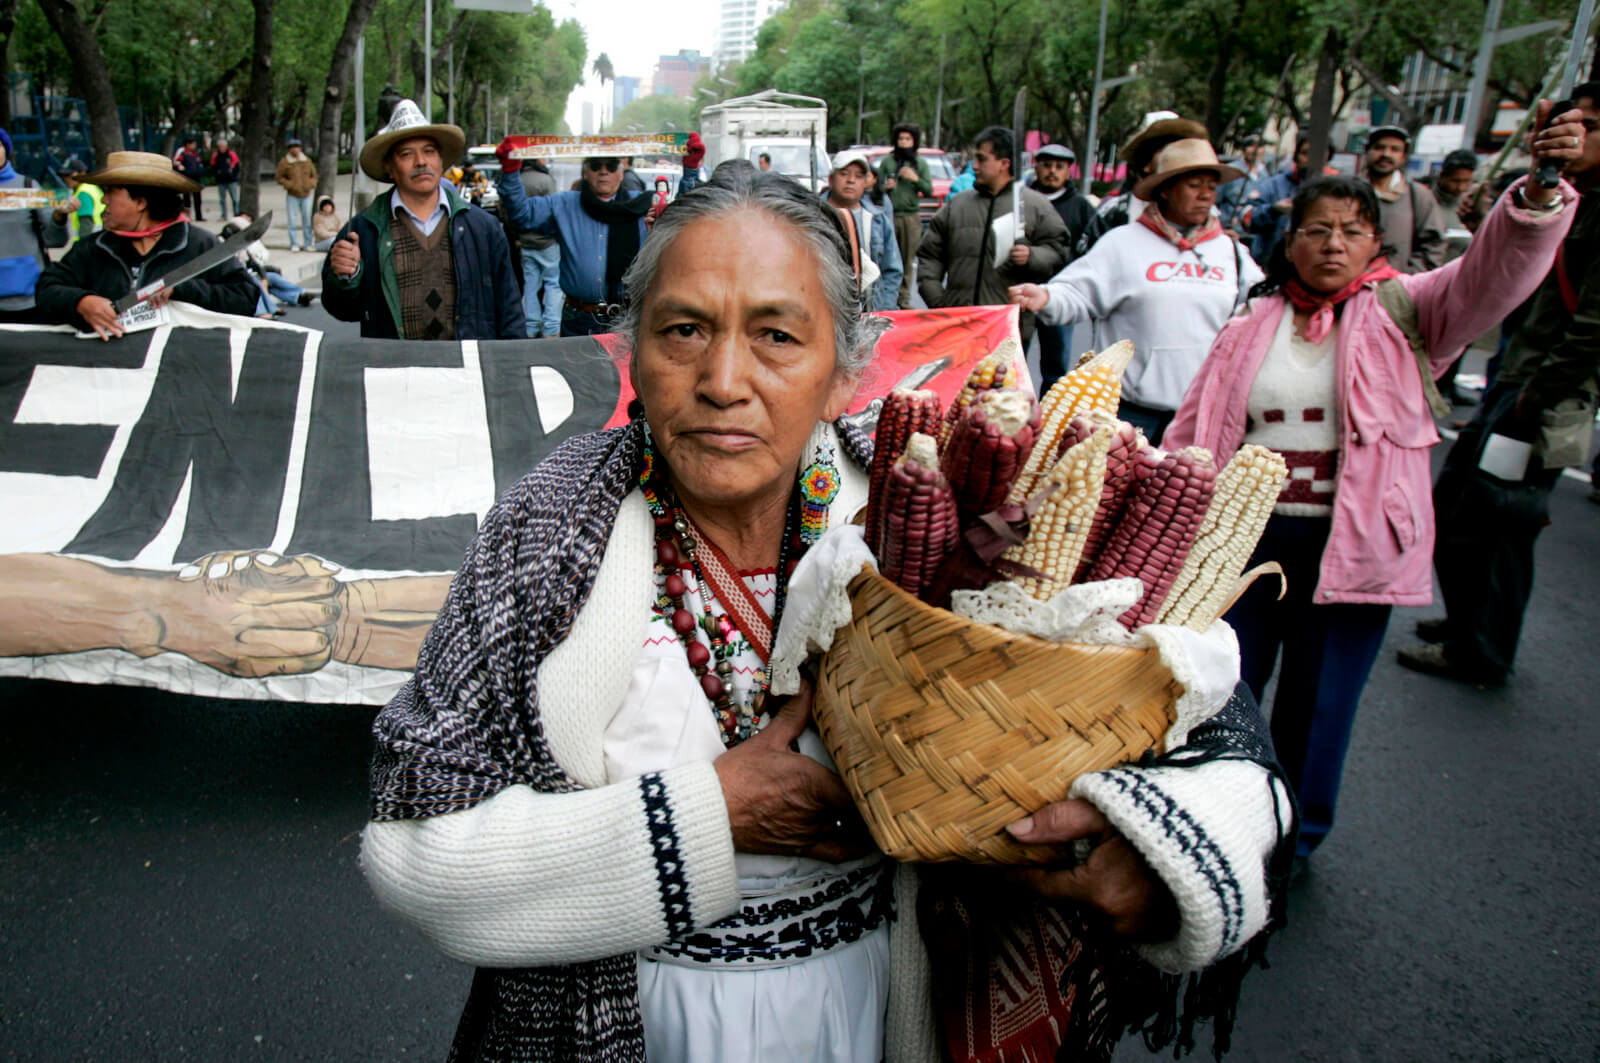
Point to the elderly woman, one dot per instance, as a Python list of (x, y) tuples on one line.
[(584, 792), (1166, 282), (1333, 366)]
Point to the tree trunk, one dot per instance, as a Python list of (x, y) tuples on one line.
[(89, 75), (1321, 118), (344, 51), (257, 115), (8, 23), (1217, 83)]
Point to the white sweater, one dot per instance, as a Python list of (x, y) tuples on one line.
[(1135, 285), (533, 879)]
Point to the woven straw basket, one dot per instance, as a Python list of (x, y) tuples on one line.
[(945, 730)]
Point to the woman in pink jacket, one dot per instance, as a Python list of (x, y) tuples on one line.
[(1317, 369)]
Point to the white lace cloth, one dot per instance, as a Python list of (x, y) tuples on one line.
[(1205, 665)]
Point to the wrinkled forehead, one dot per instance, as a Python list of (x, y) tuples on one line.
[(413, 145)]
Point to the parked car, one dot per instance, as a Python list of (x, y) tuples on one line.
[(484, 160), (938, 167)]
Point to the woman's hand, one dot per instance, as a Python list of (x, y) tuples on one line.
[(98, 313), (1560, 137), (781, 801), (1029, 296), (1114, 880)]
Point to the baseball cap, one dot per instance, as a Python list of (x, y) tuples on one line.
[(1055, 151), (845, 158), (1389, 131)]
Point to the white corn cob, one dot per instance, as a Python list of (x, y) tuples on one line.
[(1247, 488), (1058, 531), (1096, 384)]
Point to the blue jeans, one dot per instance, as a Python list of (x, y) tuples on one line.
[(226, 192), (300, 216), (541, 290), (1055, 354), (1328, 652)]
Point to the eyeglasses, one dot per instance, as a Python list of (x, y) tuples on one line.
[(1321, 234), (596, 165)]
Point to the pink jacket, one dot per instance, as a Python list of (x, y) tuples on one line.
[(1380, 546)]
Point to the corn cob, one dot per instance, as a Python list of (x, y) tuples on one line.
[(1059, 529), (1247, 488), (1094, 384), (993, 371), (987, 446), (1168, 501), (919, 518), (1122, 466), (904, 412)]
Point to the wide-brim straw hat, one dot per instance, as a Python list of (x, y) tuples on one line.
[(1162, 127), (1181, 157), (146, 168), (407, 122)]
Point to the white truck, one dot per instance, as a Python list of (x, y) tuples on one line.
[(790, 129)]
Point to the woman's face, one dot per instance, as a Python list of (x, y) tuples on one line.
[(735, 359), (1187, 200), (1333, 244)]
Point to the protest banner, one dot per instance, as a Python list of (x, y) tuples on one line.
[(19, 198), (236, 507), (545, 146)]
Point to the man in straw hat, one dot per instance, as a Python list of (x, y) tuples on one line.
[(600, 227), (421, 263), (145, 237), (1158, 129), (1167, 283)]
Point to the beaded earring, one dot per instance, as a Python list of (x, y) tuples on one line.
[(819, 485)]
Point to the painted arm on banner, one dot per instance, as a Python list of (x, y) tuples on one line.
[(244, 613)]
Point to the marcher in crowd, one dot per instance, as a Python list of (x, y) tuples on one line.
[(421, 263), (276, 289), (600, 229), (1167, 283), (298, 176), (84, 208), (1052, 179), (1234, 197), (1322, 370), (593, 803), (693, 156), (905, 178), (871, 232), (225, 172), (325, 224), (764, 162), (1413, 222), (541, 260), (187, 161), (956, 261), (1451, 184), (1159, 129), (1267, 220), (146, 235), (1545, 393), (24, 237)]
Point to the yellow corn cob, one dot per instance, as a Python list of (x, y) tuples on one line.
[(1247, 488), (991, 372), (1096, 384), (1058, 531)]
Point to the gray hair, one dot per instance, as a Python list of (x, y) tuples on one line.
[(816, 223)]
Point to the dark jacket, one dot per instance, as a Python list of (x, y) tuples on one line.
[(953, 261), (1555, 354), (488, 301), (225, 166), (188, 163), (106, 264), (1077, 214)]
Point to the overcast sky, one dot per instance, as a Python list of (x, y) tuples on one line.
[(634, 33)]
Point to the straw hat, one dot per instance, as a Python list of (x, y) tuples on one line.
[(407, 122), (1181, 157), (1159, 129), (140, 168)]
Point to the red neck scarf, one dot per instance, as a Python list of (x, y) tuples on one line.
[(1322, 304), (142, 233), (1157, 222)]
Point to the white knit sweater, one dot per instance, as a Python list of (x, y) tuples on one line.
[(533, 879)]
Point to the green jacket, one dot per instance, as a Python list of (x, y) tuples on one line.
[(904, 196), (1555, 353)]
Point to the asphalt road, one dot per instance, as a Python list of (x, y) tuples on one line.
[(179, 879)]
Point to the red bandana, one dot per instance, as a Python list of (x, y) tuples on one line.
[(1321, 304), (1157, 222), (140, 234)]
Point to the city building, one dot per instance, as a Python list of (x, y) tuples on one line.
[(675, 75), (588, 118), (736, 29), (624, 90)]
